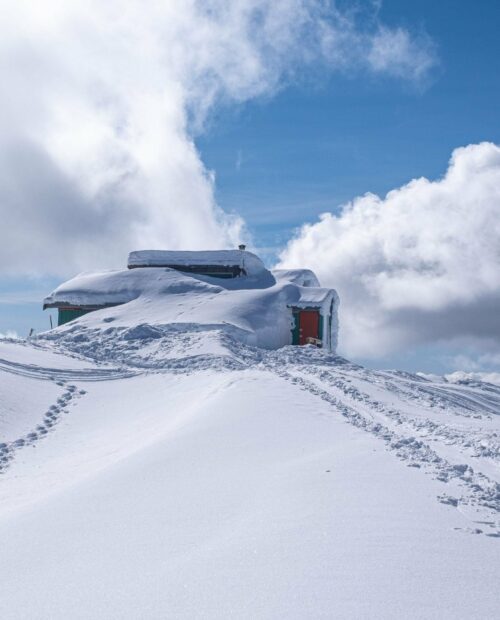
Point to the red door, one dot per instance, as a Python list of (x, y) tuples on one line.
[(308, 325)]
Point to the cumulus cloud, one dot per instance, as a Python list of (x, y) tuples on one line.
[(101, 101), (419, 266)]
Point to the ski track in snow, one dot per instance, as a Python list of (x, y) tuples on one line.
[(63, 374), (440, 428), (404, 436)]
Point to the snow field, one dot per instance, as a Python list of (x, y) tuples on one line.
[(248, 500), (183, 474)]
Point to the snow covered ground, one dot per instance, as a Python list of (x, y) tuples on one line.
[(160, 471)]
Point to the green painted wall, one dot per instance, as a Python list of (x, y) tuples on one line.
[(66, 315), (224, 276)]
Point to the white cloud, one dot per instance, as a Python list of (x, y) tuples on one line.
[(460, 377), (418, 266), (397, 53), (475, 363), (101, 99)]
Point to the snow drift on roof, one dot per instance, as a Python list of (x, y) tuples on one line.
[(316, 297), (302, 277), (222, 258), (102, 288)]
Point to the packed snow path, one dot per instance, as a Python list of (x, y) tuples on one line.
[(181, 474)]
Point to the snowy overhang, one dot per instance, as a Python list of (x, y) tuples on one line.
[(95, 290), (248, 261), (301, 277), (316, 297), (110, 288)]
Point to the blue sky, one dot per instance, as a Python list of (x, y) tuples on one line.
[(281, 162), (311, 144)]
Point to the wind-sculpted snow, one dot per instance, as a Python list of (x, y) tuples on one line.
[(110, 398), (187, 347), (450, 431)]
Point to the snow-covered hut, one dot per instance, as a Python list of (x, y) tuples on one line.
[(230, 291)]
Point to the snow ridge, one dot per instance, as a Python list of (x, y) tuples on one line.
[(448, 430), (215, 460)]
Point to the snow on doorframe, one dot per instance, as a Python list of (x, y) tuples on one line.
[(325, 302)]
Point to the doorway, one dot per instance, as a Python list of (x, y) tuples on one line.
[(308, 326)]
